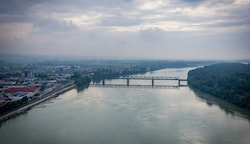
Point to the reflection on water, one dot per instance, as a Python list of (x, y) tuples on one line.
[(133, 115), (228, 108), (135, 86)]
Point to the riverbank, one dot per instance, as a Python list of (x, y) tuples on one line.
[(43, 98)]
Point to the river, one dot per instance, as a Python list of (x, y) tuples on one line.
[(131, 115)]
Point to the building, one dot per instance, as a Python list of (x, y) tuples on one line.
[(17, 93), (20, 89), (28, 74)]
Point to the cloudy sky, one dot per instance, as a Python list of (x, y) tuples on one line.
[(165, 29)]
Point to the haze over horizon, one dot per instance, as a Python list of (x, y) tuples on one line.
[(164, 29)]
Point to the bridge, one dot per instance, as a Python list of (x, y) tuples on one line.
[(151, 78)]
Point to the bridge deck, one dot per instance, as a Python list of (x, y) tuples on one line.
[(152, 78)]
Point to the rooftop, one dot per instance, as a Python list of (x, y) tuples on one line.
[(21, 89)]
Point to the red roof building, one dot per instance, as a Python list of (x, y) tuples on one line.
[(20, 89)]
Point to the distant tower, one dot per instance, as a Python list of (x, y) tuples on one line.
[(28, 74)]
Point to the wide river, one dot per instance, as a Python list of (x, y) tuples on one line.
[(131, 115)]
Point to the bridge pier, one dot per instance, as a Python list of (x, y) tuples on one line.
[(152, 82), (179, 82), (127, 82), (103, 82)]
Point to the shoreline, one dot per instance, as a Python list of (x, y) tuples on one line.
[(24, 109)]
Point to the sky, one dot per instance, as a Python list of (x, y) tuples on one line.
[(155, 29)]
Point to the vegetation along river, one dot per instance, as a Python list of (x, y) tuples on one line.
[(131, 115)]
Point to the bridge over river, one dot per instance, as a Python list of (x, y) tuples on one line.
[(150, 78)]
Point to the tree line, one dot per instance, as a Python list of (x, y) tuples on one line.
[(228, 81)]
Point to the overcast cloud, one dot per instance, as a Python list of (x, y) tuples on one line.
[(166, 29)]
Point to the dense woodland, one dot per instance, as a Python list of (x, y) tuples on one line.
[(228, 81)]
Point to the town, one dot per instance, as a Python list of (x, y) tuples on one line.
[(23, 87)]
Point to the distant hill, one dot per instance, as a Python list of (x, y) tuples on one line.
[(228, 81)]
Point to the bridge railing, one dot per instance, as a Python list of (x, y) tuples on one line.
[(150, 78)]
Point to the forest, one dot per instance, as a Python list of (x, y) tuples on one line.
[(228, 81)]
